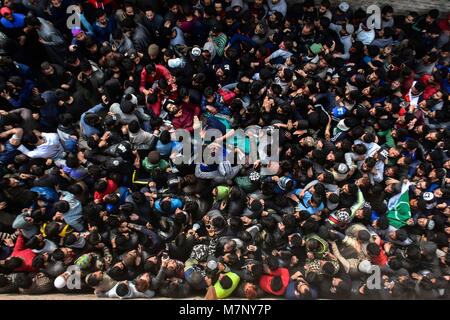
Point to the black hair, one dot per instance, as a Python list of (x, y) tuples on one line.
[(121, 240), (312, 245), (94, 238), (328, 268), (134, 126), (233, 259), (165, 205), (92, 281), (363, 235), (343, 289), (401, 234), (100, 185), (226, 282), (433, 13), (58, 255), (289, 220), (256, 206), (4, 281), (52, 229), (245, 236), (383, 223), (395, 264), (122, 289), (276, 284), (116, 273), (373, 249), (38, 262), (61, 206), (272, 263), (413, 252), (218, 222), (165, 137), (70, 239), (24, 281), (13, 263)]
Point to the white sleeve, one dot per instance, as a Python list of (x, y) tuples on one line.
[(23, 149)]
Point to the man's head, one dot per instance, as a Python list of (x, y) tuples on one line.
[(13, 263), (123, 289), (24, 280), (143, 282), (225, 282), (387, 13), (61, 206), (432, 15), (250, 290), (93, 279), (102, 18), (7, 13)]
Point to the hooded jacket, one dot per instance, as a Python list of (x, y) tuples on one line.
[(27, 255), (266, 279), (212, 48), (73, 217), (28, 229), (281, 7), (110, 188)]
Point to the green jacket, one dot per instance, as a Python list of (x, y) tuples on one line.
[(222, 293), (162, 165), (323, 245), (387, 134), (222, 192)]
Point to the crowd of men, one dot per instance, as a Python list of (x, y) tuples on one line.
[(354, 205)]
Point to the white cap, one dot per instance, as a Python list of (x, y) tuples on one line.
[(174, 63), (344, 6), (196, 52), (428, 196), (365, 266), (342, 168), (212, 264), (59, 282)]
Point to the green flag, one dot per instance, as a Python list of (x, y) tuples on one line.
[(399, 211)]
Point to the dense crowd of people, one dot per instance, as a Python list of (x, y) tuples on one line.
[(93, 200)]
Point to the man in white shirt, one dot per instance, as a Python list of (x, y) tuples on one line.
[(47, 145), (365, 34), (127, 290)]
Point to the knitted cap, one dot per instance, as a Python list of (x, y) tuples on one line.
[(153, 50), (315, 48)]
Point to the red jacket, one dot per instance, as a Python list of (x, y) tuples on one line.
[(430, 89), (112, 186), (186, 120), (265, 280), (381, 259), (27, 255), (161, 72)]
